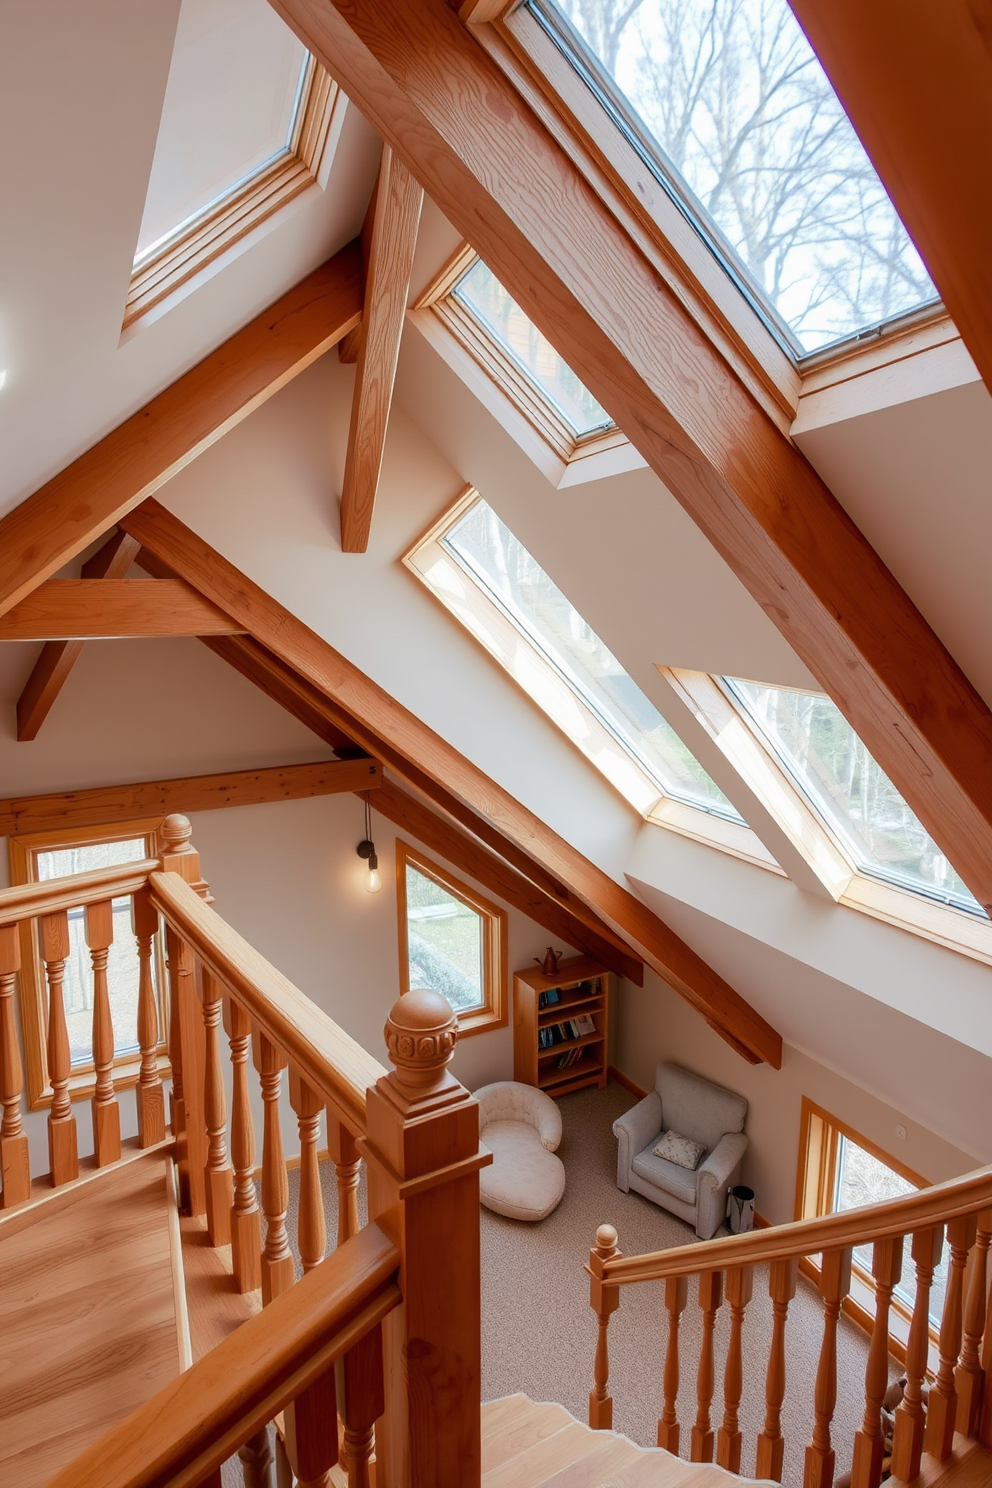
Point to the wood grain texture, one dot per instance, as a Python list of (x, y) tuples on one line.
[(58, 658), (399, 199), (145, 451), (515, 187), (96, 608), (429, 763), (114, 803)]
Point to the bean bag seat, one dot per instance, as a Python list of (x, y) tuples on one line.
[(521, 1127)]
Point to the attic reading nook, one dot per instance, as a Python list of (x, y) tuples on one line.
[(495, 745)]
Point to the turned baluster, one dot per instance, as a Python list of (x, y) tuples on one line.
[(985, 1423), (728, 1442), (907, 1437), (710, 1298), (347, 1166), (311, 1423), (246, 1220), (218, 1179), (771, 1444), (942, 1407), (15, 1166), (312, 1226), (969, 1381), (278, 1269), (106, 1112), (360, 1404), (62, 1150), (676, 1296), (835, 1282), (149, 1095), (604, 1300), (256, 1460), (174, 956), (886, 1268)]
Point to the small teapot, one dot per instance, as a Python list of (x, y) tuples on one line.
[(550, 963)]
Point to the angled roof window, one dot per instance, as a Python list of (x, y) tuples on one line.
[(728, 106), (850, 793)]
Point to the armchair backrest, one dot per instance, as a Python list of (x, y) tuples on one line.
[(697, 1108)]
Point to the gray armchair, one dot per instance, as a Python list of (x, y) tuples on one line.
[(683, 1102)]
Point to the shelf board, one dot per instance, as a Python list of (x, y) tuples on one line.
[(578, 1076), (561, 1077), (555, 1012), (579, 1043)]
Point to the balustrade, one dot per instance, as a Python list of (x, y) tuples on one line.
[(15, 1165)]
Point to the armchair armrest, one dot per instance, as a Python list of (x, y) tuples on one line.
[(633, 1131), (714, 1176)]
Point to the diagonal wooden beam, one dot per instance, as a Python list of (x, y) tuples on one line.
[(524, 187), (916, 81), (349, 346), (58, 658), (442, 837), (419, 755), (98, 608), (398, 201), (140, 455)]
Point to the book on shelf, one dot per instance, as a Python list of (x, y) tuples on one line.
[(570, 1057), (583, 1025), (549, 998)]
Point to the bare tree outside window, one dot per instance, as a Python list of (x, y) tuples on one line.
[(734, 95)]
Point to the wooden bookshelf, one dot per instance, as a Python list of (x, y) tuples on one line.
[(583, 989)]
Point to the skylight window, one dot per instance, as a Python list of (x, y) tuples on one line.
[(486, 550), (728, 106), (851, 794)]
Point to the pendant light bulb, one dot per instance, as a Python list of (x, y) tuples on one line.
[(366, 851), (373, 883)]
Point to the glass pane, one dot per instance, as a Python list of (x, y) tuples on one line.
[(733, 99), (481, 293), (122, 963), (487, 550), (852, 794), (230, 107), (444, 943)]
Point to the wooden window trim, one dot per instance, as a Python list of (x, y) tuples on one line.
[(32, 990), (495, 960), (228, 223)]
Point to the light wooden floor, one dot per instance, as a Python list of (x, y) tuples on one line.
[(89, 1323)]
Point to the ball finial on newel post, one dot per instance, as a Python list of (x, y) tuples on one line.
[(420, 1039), (176, 833)]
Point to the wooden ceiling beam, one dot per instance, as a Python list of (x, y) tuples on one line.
[(398, 201), (916, 82), (92, 609), (349, 346), (140, 455), (517, 180), (58, 658), (103, 805), (425, 759)]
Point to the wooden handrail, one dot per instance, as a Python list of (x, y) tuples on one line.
[(25, 901), (327, 1057), (193, 1425), (903, 1216)]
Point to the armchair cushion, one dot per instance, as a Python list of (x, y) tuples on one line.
[(682, 1182)]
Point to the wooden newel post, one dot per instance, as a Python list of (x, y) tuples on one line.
[(604, 1301), (422, 1151)]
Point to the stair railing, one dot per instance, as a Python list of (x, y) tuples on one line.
[(960, 1396)]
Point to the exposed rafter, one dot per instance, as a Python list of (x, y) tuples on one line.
[(396, 215), (91, 608), (58, 658), (384, 728), (81, 502), (524, 193)]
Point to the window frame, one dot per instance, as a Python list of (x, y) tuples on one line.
[(493, 1013), (23, 853), (226, 227)]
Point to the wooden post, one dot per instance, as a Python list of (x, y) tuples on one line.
[(246, 1220), (217, 1177), (886, 1268), (969, 1380), (311, 1224), (186, 1045), (106, 1112), (835, 1282), (942, 1407), (782, 1280), (256, 1460), (676, 1297), (63, 1153), (422, 1150), (347, 1166), (740, 1281), (985, 1424), (604, 1300), (907, 1437), (360, 1404), (15, 1163), (278, 1268), (710, 1298), (312, 1432), (149, 1095)]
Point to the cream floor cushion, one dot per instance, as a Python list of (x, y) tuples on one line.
[(521, 1127)]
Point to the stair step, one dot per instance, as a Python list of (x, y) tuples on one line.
[(538, 1463), (969, 1466), (604, 1459), (512, 1425)]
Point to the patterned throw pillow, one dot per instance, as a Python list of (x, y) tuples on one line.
[(676, 1148)]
